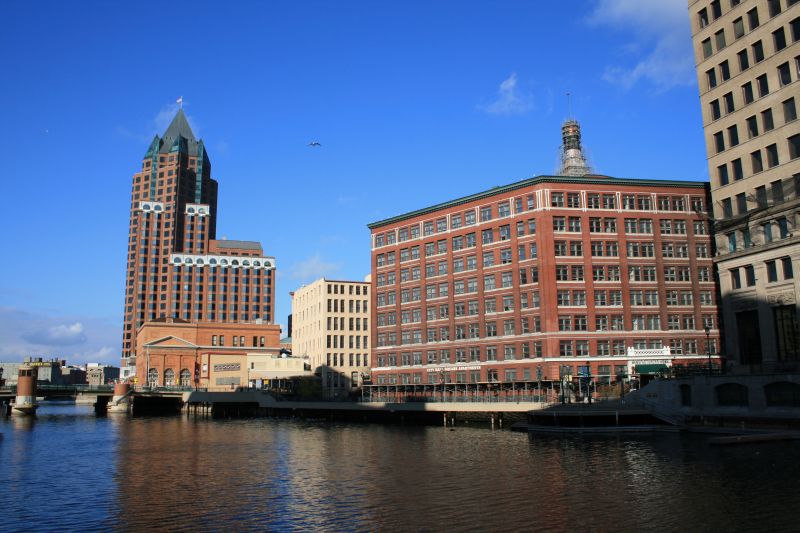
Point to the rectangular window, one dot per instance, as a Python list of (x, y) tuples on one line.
[(744, 60), (772, 271), (779, 39), (766, 120), (758, 52), (763, 85), (738, 27), (733, 135), (756, 162), (738, 172), (715, 109), (789, 110), (707, 49), (772, 155), (747, 92), (752, 127), (752, 18), (794, 146), (729, 106), (719, 39), (784, 74)]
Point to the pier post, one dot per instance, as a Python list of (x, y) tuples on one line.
[(121, 401), (25, 402)]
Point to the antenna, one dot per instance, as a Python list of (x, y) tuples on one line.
[(569, 105)]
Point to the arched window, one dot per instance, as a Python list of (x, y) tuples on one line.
[(186, 378), (169, 377), (213, 261), (731, 395), (190, 210), (152, 377), (157, 208), (782, 394)]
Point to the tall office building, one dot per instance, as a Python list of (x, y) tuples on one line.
[(330, 326), (176, 267), (575, 274), (748, 66)]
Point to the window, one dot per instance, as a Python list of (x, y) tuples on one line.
[(758, 52), (763, 85), (722, 175), (744, 61), (729, 106), (766, 120), (772, 155), (794, 146), (784, 74), (702, 18), (774, 7), (777, 192), (727, 208), (719, 142), (779, 39), (557, 199), (738, 27), (795, 25), (719, 39), (733, 135), (752, 18), (761, 196), (786, 264), (707, 50), (724, 71), (752, 127), (715, 109), (755, 161), (716, 9), (747, 92), (772, 271), (738, 172), (741, 203), (736, 280), (783, 227), (789, 110)]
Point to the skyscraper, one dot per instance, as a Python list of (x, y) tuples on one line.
[(176, 267), (748, 65)]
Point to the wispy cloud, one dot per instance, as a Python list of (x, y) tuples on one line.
[(60, 335), (661, 45), (313, 268), (78, 339), (509, 100)]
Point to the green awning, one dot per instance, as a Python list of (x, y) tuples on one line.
[(651, 369)]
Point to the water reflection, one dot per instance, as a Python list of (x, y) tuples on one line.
[(183, 473)]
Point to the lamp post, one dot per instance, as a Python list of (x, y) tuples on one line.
[(708, 347), (441, 379)]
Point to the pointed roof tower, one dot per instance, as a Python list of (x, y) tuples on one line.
[(179, 135)]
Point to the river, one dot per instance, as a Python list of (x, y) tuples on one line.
[(68, 470)]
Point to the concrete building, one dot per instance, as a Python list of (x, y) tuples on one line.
[(748, 65), (577, 274), (176, 266), (49, 371), (330, 326), (97, 374), (213, 355)]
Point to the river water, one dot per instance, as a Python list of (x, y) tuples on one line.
[(71, 471)]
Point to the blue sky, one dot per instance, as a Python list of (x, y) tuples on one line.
[(414, 103)]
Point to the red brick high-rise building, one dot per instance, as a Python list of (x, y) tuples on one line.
[(573, 274), (176, 267)]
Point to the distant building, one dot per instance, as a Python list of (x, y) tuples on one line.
[(331, 321), (213, 355), (176, 267), (569, 275), (49, 371), (748, 69), (97, 374)]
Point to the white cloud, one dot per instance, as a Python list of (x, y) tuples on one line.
[(313, 268), (661, 46), (509, 100), (60, 335), (78, 339)]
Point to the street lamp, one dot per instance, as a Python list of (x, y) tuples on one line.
[(708, 347)]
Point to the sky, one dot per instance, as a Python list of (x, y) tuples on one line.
[(413, 103)]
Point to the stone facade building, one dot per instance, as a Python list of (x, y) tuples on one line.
[(330, 326), (748, 69)]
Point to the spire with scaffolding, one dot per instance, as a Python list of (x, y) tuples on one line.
[(573, 161)]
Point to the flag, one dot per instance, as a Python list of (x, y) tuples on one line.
[(179, 101)]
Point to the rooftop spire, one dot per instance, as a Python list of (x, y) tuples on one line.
[(179, 127)]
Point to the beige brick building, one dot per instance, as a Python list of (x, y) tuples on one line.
[(748, 66), (331, 321)]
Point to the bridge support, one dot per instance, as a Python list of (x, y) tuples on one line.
[(121, 402), (25, 402)]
